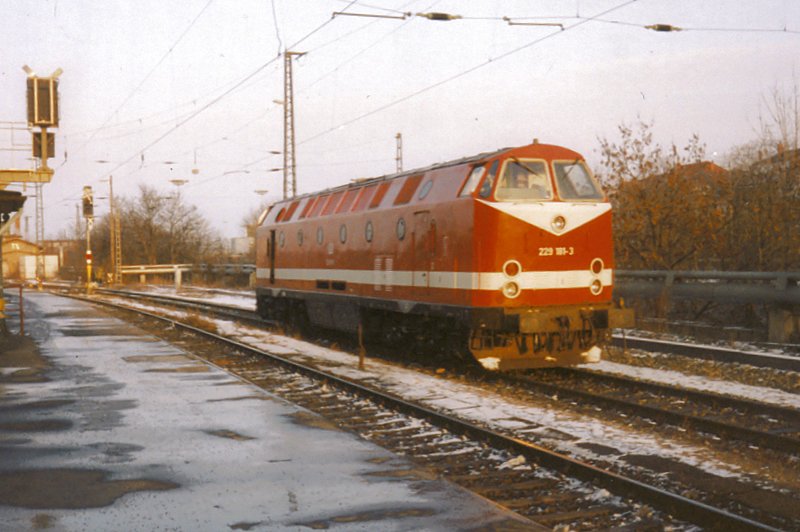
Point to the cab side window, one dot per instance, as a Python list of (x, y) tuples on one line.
[(472, 180), (488, 183)]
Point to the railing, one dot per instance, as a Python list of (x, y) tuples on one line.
[(721, 287), (178, 270), (779, 290)]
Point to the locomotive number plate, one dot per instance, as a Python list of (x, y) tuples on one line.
[(560, 251)]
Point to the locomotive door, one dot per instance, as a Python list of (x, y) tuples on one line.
[(271, 253), (423, 248)]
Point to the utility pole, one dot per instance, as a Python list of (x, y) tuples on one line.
[(289, 160), (39, 228), (398, 157), (116, 236)]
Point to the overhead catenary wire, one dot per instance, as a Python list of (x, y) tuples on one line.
[(189, 116), (458, 75), (146, 77), (437, 84), (521, 21), (669, 27), (362, 50), (140, 152)]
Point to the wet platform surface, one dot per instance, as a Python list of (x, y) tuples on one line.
[(105, 428)]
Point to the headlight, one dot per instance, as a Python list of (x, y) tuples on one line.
[(596, 287), (512, 268), (559, 223), (597, 266), (511, 290)]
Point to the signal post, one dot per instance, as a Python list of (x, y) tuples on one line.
[(42, 100), (88, 213)]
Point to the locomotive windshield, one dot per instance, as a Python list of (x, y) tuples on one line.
[(574, 181), (524, 180)]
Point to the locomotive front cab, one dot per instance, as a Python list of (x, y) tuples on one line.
[(543, 241)]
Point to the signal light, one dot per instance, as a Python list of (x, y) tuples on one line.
[(88, 202)]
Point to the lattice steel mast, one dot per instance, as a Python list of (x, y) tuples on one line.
[(289, 159)]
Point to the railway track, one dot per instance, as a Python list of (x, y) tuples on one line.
[(748, 421), (753, 422), (706, 352), (520, 490)]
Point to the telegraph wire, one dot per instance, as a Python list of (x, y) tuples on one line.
[(214, 101), (510, 20), (312, 32), (147, 77), (454, 77), (362, 50), (377, 8), (277, 30), (669, 27)]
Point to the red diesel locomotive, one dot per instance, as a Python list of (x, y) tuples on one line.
[(507, 255)]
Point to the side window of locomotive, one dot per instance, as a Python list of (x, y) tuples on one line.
[(472, 180), (488, 183), (524, 180), (425, 190), (574, 181)]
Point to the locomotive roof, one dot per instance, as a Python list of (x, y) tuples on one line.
[(387, 177)]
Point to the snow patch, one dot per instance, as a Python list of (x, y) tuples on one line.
[(490, 363), (592, 355)]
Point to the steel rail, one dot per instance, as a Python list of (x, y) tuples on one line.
[(677, 505), (719, 354), (746, 434), (230, 311), (758, 437)]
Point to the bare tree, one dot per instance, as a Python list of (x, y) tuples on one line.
[(159, 229), (669, 205)]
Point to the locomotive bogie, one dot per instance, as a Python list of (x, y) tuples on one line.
[(523, 277)]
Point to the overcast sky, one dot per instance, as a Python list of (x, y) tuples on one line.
[(187, 89)]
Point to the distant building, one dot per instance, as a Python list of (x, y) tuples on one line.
[(242, 245), (19, 260)]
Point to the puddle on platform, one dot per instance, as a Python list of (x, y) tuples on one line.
[(366, 517), (45, 404), (241, 397), (245, 526), (157, 358), (44, 425), (43, 521), (180, 369), (69, 488), (231, 435), (22, 353)]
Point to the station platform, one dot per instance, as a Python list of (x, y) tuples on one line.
[(103, 427)]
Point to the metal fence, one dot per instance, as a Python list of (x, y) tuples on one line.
[(779, 291)]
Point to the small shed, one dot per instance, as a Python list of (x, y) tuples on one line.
[(19, 259)]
